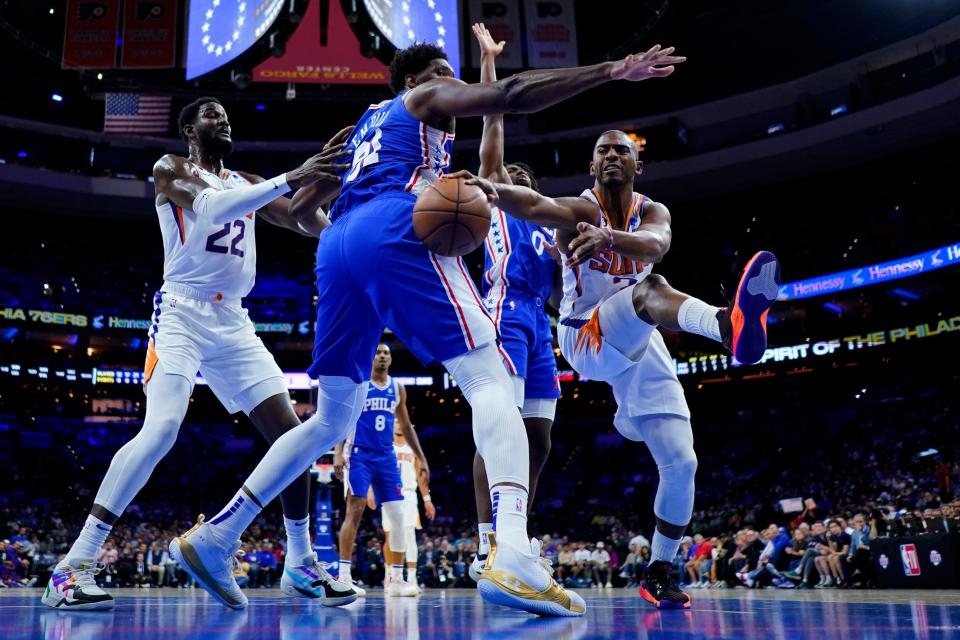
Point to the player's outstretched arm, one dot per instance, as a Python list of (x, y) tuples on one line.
[(533, 90), (649, 243), (491, 143), (304, 212), (177, 180), (527, 204)]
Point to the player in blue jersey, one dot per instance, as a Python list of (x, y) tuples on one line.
[(373, 272), (366, 460), (520, 273)]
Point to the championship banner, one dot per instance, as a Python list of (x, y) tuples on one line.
[(551, 33), (149, 34), (503, 21), (323, 50), (90, 34)]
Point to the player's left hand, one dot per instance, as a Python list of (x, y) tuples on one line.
[(430, 509), (653, 63), (488, 46), (590, 241), (483, 183), (339, 138)]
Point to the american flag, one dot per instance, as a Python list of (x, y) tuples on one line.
[(136, 113)]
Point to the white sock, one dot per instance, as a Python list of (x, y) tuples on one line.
[(510, 515), (298, 539), (663, 548), (228, 525), (343, 574), (396, 572), (88, 543), (485, 528), (696, 316)]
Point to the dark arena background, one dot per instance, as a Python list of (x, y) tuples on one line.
[(825, 132)]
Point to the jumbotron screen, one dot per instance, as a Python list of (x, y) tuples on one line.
[(409, 21), (220, 30)]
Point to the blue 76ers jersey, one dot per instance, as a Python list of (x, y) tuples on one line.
[(375, 427), (393, 152), (516, 257)]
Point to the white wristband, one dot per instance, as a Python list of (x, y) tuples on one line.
[(427, 498)]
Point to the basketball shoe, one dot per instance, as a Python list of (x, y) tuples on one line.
[(743, 325), (516, 577), (401, 589), (209, 564), (348, 580), (76, 588), (310, 580), (659, 588)]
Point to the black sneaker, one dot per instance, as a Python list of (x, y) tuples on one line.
[(660, 589)]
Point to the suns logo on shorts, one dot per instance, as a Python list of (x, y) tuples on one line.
[(614, 264)]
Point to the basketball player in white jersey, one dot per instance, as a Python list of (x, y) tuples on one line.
[(611, 237), (411, 478), (207, 215)]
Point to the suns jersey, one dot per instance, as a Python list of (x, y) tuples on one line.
[(393, 152), (408, 471), (374, 431), (219, 258), (516, 258), (590, 283)]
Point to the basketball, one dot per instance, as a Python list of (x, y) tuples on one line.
[(451, 218)]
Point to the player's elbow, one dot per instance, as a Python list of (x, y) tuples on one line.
[(512, 94), (658, 250)]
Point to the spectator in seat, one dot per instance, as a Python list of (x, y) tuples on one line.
[(828, 563), (857, 563), (600, 564)]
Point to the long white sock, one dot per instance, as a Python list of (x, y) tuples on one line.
[(663, 548), (484, 547), (696, 316), (510, 515), (88, 543), (343, 572), (396, 572), (339, 402), (228, 525), (298, 539)]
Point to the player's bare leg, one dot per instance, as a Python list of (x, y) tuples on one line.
[(348, 537)]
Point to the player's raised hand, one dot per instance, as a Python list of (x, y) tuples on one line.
[(321, 167), (339, 139), (488, 46), (590, 241), (487, 186), (654, 63)]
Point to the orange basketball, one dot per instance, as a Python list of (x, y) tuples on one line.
[(451, 218)]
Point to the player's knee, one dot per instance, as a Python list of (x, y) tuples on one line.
[(647, 288), (161, 434), (683, 468)]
